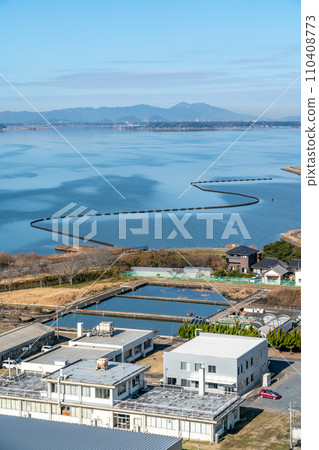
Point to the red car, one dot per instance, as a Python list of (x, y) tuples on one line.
[(267, 393)]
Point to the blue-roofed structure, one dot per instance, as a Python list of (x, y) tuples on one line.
[(30, 434)]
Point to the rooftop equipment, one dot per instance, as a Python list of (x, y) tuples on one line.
[(102, 364), (105, 329)]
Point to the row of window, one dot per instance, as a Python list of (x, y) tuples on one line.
[(187, 366), (37, 407), (195, 383), (241, 369), (69, 389), (137, 349), (7, 403), (170, 424), (195, 427), (160, 422)]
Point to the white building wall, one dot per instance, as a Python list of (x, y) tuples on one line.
[(226, 369)]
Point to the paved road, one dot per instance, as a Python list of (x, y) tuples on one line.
[(286, 382), (237, 306)]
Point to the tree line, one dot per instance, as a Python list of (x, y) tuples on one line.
[(279, 339)]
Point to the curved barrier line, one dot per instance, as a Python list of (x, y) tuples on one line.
[(253, 201)]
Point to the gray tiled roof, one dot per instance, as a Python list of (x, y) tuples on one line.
[(268, 263), (242, 250)]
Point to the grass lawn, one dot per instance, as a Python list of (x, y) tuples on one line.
[(258, 430)]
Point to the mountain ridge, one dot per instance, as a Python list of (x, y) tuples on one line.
[(181, 112)]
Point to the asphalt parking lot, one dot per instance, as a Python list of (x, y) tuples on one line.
[(286, 381)]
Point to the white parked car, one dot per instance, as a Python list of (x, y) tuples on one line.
[(9, 363), (46, 348)]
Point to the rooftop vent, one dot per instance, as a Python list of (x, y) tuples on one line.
[(102, 364), (61, 362)]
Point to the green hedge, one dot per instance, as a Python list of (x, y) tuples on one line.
[(280, 339)]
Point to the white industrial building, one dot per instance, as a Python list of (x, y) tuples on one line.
[(217, 363), (172, 272), (114, 395), (123, 344), (115, 344)]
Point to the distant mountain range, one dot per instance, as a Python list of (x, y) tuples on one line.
[(182, 112)]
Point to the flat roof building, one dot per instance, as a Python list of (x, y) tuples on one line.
[(24, 340), (115, 395), (123, 344), (217, 363)]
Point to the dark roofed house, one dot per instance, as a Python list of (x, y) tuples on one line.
[(266, 264), (241, 258), (294, 264)]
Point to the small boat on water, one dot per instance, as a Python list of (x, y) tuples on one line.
[(190, 313)]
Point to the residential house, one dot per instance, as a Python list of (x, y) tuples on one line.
[(266, 264), (275, 274), (241, 258)]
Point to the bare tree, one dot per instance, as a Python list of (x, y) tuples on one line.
[(101, 257), (71, 267)]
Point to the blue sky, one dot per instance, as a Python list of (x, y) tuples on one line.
[(238, 55)]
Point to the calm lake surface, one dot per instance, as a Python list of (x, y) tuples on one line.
[(41, 174), (148, 306)]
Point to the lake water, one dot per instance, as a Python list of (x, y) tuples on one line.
[(41, 174)]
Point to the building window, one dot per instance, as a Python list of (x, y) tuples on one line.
[(171, 380), (69, 389), (252, 377), (229, 389), (185, 366), (74, 412), (54, 387), (122, 421), (212, 385), (118, 358), (198, 366), (136, 380), (185, 383), (147, 343), (128, 354), (247, 381), (196, 384), (121, 388), (247, 365), (86, 391), (102, 393), (87, 413), (212, 369), (238, 370), (138, 349)]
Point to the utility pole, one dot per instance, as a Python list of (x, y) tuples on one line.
[(57, 324), (290, 425)]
